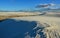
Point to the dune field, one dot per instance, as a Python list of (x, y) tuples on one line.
[(47, 24), (4, 15)]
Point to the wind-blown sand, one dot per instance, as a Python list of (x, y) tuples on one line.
[(49, 25)]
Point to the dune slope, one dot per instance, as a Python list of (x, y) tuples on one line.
[(48, 26), (45, 27)]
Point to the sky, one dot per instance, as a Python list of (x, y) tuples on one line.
[(11, 5)]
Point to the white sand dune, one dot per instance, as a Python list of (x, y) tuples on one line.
[(49, 26), (18, 13)]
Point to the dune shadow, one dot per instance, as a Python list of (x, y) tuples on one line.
[(11, 28)]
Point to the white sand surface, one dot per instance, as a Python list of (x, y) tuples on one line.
[(50, 24)]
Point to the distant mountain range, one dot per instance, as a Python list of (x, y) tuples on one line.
[(39, 10)]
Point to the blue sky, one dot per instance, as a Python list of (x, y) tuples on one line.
[(24, 4)]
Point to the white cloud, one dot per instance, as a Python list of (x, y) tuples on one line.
[(46, 5), (51, 4)]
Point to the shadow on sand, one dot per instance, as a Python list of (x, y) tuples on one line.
[(11, 28)]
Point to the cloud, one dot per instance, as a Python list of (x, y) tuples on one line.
[(51, 4), (44, 5)]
